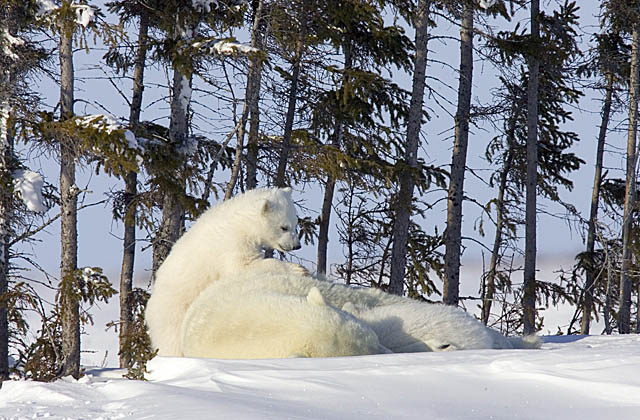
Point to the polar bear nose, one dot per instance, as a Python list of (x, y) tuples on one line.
[(296, 246)]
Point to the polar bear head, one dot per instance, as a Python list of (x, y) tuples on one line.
[(279, 221)]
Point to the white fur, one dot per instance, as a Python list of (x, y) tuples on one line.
[(225, 241), (276, 315), (247, 318), (414, 326)]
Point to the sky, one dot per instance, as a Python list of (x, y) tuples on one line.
[(100, 237)]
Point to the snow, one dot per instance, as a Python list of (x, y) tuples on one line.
[(84, 14), (229, 48), (9, 42), (28, 185), (204, 5), (593, 377), (485, 4), (108, 124), (45, 7)]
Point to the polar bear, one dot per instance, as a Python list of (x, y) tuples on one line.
[(234, 319), (413, 326), (221, 316), (224, 242)]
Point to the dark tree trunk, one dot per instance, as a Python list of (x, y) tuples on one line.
[(497, 241), (69, 219), (624, 312), (291, 108), (130, 191), (7, 79), (254, 79), (410, 161), (330, 185), (529, 296), (453, 240), (172, 222), (587, 304)]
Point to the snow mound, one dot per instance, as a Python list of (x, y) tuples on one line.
[(592, 377)]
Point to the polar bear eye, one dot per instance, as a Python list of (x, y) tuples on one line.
[(284, 228)]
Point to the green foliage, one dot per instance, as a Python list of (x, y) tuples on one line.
[(136, 344), (41, 359), (94, 138), (366, 232)]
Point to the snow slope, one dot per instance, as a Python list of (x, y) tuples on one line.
[(596, 377)]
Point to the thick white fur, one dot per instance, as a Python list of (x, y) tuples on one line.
[(268, 315), (414, 326), (224, 242), (238, 319)]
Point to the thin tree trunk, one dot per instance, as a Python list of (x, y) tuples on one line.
[(407, 183), (250, 108), (5, 218), (624, 312), (172, 222), (291, 108), (69, 219), (130, 191), (587, 304), (330, 185), (453, 240), (529, 285), (497, 242), (254, 80), (323, 231), (6, 213)]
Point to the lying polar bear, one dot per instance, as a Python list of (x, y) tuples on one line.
[(283, 315)]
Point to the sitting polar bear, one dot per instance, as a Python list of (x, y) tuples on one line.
[(225, 241), (263, 316)]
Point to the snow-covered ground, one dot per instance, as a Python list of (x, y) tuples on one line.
[(572, 377)]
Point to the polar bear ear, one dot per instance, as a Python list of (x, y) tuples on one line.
[(267, 206), (286, 190)]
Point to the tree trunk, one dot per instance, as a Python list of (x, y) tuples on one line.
[(624, 312), (490, 291), (5, 218), (254, 80), (410, 163), (587, 304), (323, 231), (172, 222), (69, 219), (453, 239), (7, 80), (130, 191), (529, 285), (330, 185), (291, 108)]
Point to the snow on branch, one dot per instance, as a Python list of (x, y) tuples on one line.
[(109, 125), (205, 5), (28, 185), (8, 43), (84, 13), (485, 4), (225, 47)]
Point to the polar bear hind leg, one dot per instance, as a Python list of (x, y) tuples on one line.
[(267, 324)]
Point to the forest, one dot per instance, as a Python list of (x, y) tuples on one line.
[(334, 98)]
